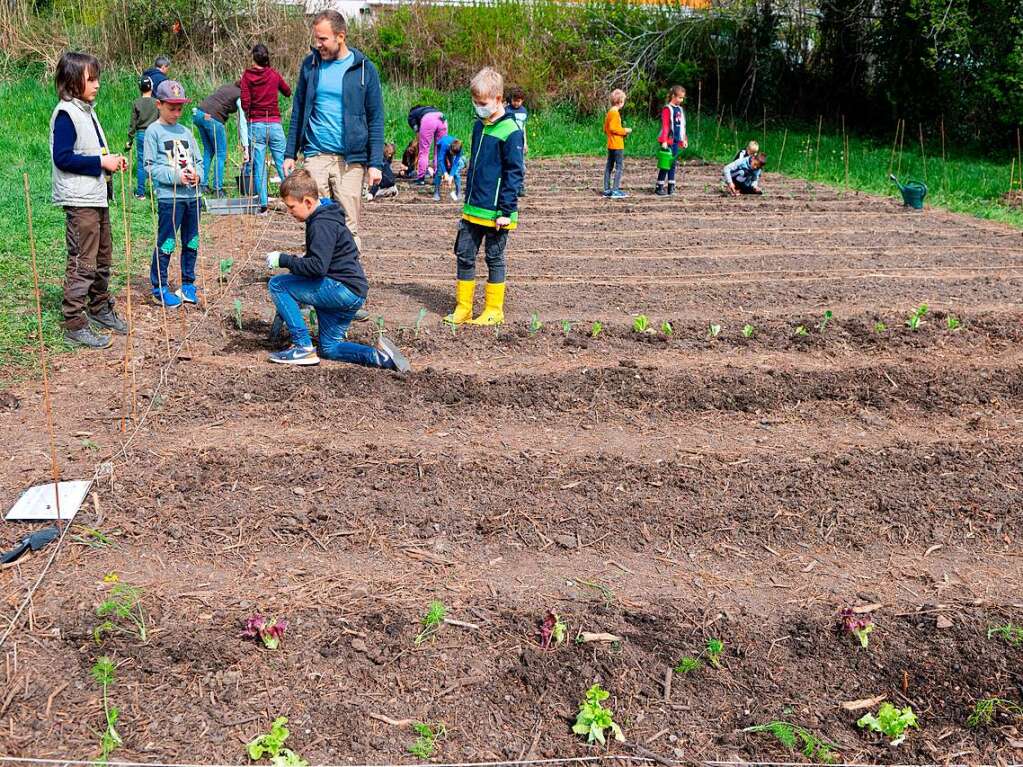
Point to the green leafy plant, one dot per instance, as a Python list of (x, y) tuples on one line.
[(952, 322), (271, 745), (238, 312), (890, 721), (984, 711), (794, 737), (713, 652), (89, 536), (593, 718), (641, 324), (666, 328), (426, 742), (123, 610), (801, 331), (103, 672), (225, 269), (419, 321), (688, 664), (566, 327), (552, 631), (713, 331), (313, 320), (379, 322), (534, 323), (595, 329), (859, 626), (880, 327), (916, 319), (90, 444), (431, 621), (748, 331), (1010, 632), (823, 324)]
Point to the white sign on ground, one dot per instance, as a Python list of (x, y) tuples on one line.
[(38, 503)]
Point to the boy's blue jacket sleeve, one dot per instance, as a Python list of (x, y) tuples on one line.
[(374, 117), (513, 167), (297, 113), (64, 156)]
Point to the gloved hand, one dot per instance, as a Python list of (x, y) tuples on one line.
[(273, 260)]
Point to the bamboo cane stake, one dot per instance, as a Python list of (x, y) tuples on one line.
[(817, 157), (781, 155), (845, 153), (923, 154), (895, 144), (128, 356), (944, 162), (902, 140)]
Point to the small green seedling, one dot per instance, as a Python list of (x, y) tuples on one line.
[(566, 327), (713, 331), (880, 327), (552, 631), (813, 747), (640, 324), (225, 269), (985, 710), (314, 322), (379, 322), (431, 621), (419, 321), (801, 331), (89, 444), (425, 744), (103, 672), (593, 719), (823, 324), (238, 312), (595, 329), (890, 721), (857, 625), (688, 664), (534, 323), (1010, 632), (952, 322), (91, 537), (666, 328), (272, 745), (916, 319), (748, 331), (713, 651), (123, 610)]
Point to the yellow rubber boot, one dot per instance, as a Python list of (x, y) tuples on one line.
[(493, 312), (465, 291)]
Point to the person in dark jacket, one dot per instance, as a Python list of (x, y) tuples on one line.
[(158, 72), (328, 278), (337, 118), (260, 85), (211, 117)]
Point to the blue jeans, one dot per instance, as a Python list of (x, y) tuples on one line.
[(140, 164), (261, 136), (214, 144), (669, 175), (175, 216), (456, 174), (335, 308)]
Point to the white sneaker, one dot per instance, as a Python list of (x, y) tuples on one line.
[(454, 196)]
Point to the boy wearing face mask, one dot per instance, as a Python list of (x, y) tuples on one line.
[(493, 184)]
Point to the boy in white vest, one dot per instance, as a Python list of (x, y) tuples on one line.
[(82, 169)]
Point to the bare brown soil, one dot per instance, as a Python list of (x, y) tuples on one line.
[(666, 489)]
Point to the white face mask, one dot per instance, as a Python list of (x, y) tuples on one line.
[(484, 112)]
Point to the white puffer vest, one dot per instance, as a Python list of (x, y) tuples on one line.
[(74, 189)]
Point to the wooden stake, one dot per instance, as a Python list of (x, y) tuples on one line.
[(902, 139), (895, 144), (127, 291), (845, 153), (42, 350), (1019, 159), (1012, 175), (781, 155), (699, 115), (944, 163), (817, 157), (923, 154)]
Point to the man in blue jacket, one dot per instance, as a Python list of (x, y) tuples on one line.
[(337, 118)]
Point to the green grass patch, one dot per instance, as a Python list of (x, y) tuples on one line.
[(964, 183)]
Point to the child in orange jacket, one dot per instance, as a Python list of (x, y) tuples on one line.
[(615, 145)]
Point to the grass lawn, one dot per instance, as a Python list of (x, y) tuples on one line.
[(964, 183)]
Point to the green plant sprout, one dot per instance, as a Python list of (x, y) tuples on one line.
[(314, 322), (952, 322), (713, 331), (823, 324), (272, 745), (916, 319), (89, 444), (379, 322), (593, 718), (800, 331), (748, 331), (225, 269), (103, 672), (984, 711), (91, 537), (123, 610), (688, 664), (534, 323), (788, 735), (595, 329), (666, 328), (238, 312), (426, 742), (566, 327), (431, 621), (607, 593), (640, 324), (880, 327), (890, 721), (713, 651), (1010, 632), (419, 321)]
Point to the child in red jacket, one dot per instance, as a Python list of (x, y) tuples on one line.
[(260, 85), (672, 136)]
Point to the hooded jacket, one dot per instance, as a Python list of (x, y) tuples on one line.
[(363, 108), (330, 251), (259, 87), (155, 75), (496, 171)]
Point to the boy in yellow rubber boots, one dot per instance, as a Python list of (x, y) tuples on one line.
[(493, 182)]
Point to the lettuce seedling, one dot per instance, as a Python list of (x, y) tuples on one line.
[(880, 327), (225, 269), (857, 625), (552, 631), (269, 630), (813, 747), (431, 621), (748, 331), (713, 331), (593, 719), (595, 329), (713, 651), (952, 322), (640, 324), (534, 322), (272, 745), (914, 320), (801, 331), (566, 327), (666, 328), (425, 744), (890, 721)]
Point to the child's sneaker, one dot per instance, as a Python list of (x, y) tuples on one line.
[(618, 194), (660, 191), (436, 196), (454, 195), (606, 193), (140, 197), (361, 315), (188, 293), (390, 358), (167, 298), (296, 355)]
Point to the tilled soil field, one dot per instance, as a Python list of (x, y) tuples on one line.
[(664, 488)]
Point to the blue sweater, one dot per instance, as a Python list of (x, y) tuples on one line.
[(64, 155), (447, 162)]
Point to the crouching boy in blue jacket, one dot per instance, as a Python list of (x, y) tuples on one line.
[(329, 278)]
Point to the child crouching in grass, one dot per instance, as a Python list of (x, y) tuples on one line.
[(742, 176), (329, 278), (82, 165)]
